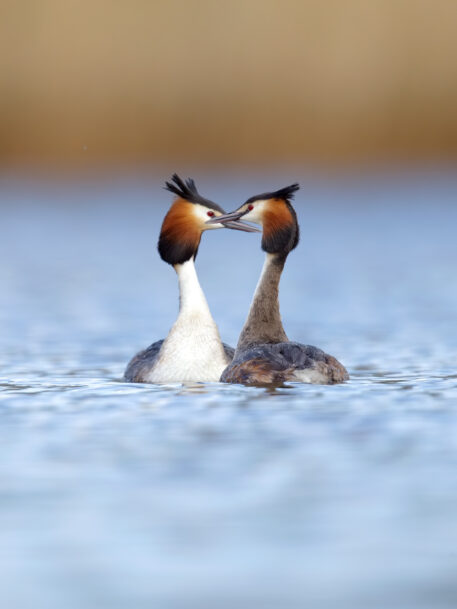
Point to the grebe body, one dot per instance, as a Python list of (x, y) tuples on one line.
[(193, 350), (264, 355)]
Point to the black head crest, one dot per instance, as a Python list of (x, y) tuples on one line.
[(186, 189), (286, 194)]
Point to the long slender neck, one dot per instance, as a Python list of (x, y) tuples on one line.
[(263, 324), (192, 350), (191, 297)]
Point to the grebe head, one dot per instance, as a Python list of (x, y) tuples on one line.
[(187, 218), (274, 212)]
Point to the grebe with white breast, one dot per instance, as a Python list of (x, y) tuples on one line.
[(264, 354), (193, 350)]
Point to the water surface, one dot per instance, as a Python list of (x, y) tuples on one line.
[(200, 496)]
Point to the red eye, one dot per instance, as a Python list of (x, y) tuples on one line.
[(210, 214), (250, 207)]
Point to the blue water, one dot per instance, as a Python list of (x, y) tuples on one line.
[(116, 495)]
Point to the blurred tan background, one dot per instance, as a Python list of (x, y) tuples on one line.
[(86, 82)]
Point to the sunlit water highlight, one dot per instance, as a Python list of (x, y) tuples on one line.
[(200, 496)]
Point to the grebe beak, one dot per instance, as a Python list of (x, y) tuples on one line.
[(232, 220), (233, 215), (238, 225)]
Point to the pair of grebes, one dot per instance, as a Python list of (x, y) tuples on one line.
[(193, 350)]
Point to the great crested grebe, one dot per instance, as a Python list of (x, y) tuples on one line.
[(264, 354), (193, 350)]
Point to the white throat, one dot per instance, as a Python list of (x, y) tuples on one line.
[(191, 297), (193, 350)]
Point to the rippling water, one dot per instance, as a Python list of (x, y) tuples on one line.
[(201, 496)]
